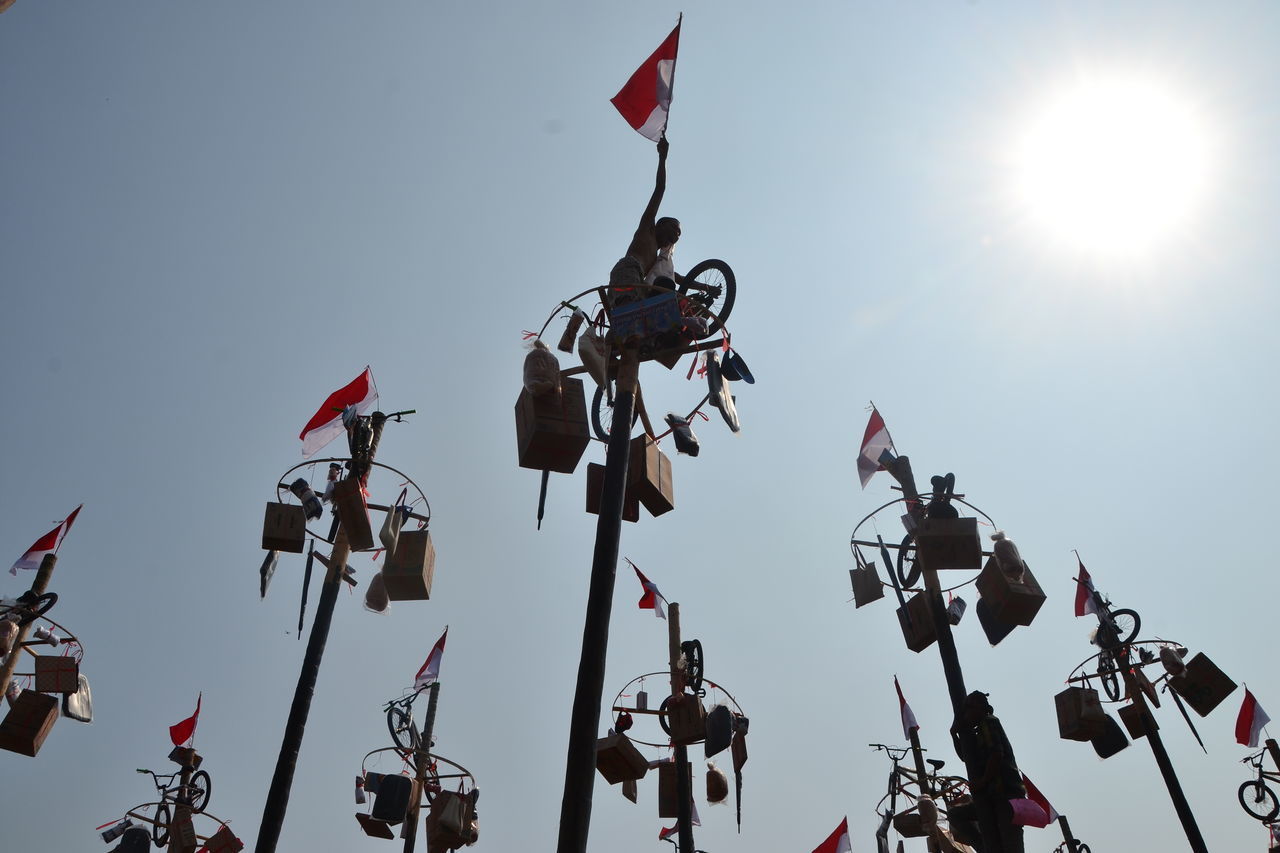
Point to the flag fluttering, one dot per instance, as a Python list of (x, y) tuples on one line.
[(652, 599), (1084, 592), (326, 424), (46, 544), (430, 670), (645, 100), (1033, 794), (908, 718), (184, 732), (1250, 721), (877, 448), (838, 841), (670, 831)]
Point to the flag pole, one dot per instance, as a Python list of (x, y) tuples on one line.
[(684, 791), (38, 587), (421, 764)]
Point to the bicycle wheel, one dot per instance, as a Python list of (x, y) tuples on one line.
[(1127, 625), (718, 301), (38, 606), (911, 576), (404, 732), (1110, 676), (602, 415), (1083, 848), (160, 830), (1258, 800), (693, 665), (663, 717), (199, 789)]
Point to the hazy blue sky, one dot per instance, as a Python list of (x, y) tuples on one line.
[(215, 214)]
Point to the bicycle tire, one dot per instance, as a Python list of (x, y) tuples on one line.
[(716, 273), (1083, 848), (693, 665), (1127, 623), (404, 733), (1110, 677), (602, 415), (42, 605), (1261, 805), (160, 829), (912, 577), (663, 716), (199, 790)]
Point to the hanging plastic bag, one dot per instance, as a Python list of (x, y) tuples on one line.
[(955, 609), (78, 706), (717, 784), (541, 371), (682, 433), (361, 799), (1027, 812), (375, 597), (591, 349), (390, 532)]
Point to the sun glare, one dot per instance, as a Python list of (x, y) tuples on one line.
[(1113, 167)]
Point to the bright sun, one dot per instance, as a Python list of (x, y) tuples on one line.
[(1113, 167)]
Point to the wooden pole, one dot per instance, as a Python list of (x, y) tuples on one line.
[(39, 587), (580, 762), (421, 764), (1073, 843), (684, 794)]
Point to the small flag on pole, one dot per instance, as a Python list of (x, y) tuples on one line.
[(430, 670), (645, 100), (46, 544), (1250, 721), (877, 447), (1033, 794), (838, 841), (652, 599), (184, 732), (1084, 591), (326, 424), (908, 718)]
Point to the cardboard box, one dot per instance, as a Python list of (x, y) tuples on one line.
[(348, 499), (645, 319), (552, 431), (917, 623), (1203, 685), (284, 528), (668, 799), (57, 674), (866, 585), (595, 491), (949, 543), (687, 719), (1013, 602), (410, 569), (649, 475), (618, 760), (185, 756), (1080, 714), (28, 723), (1131, 716)]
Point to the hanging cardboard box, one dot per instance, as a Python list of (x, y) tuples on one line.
[(1080, 714), (551, 430), (949, 543), (410, 569), (57, 674), (1203, 685), (866, 585), (917, 623), (595, 491), (618, 760), (284, 528), (668, 799), (687, 719), (1131, 716), (28, 723), (649, 475), (1015, 602), (185, 757), (348, 498)]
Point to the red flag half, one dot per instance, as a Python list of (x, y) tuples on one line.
[(646, 98), (1033, 794), (1250, 721), (326, 424), (1084, 592), (652, 599), (182, 733), (46, 544), (838, 841), (875, 444), (908, 718), (431, 668)]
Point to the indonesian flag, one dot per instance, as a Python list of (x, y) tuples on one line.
[(668, 832), (1274, 834), (838, 841), (182, 733), (652, 599), (1250, 721), (1084, 592), (646, 98), (46, 544), (431, 668), (326, 424), (908, 718), (1034, 795), (876, 443)]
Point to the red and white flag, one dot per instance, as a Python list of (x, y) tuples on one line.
[(908, 718), (876, 449), (652, 599), (838, 841), (1274, 834), (1084, 592), (46, 544), (326, 424), (646, 98), (184, 732), (431, 668), (670, 831), (1034, 795), (1250, 721)]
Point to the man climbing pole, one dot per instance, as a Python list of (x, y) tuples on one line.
[(999, 781), (648, 259)]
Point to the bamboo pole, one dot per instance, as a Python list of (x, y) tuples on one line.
[(684, 793), (421, 764), (38, 587)]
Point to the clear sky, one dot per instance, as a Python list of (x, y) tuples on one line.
[(215, 214)]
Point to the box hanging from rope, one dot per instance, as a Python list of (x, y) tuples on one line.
[(917, 623), (409, 569), (595, 492), (1203, 685), (866, 585), (949, 543), (649, 475), (618, 760), (57, 674), (1015, 601), (284, 528), (551, 430), (668, 799), (348, 499), (1080, 714), (28, 723)]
